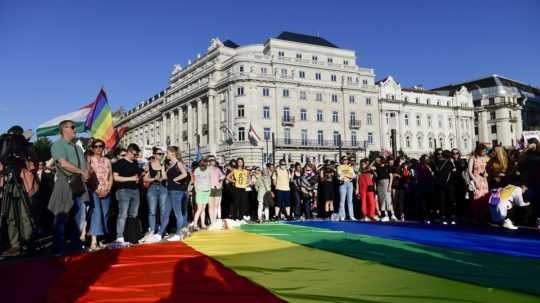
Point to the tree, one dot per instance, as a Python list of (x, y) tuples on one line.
[(42, 148)]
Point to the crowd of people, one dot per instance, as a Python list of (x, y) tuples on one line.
[(90, 199)]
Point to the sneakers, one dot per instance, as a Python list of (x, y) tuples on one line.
[(394, 218), (174, 238), (119, 243), (508, 224), (427, 222), (147, 236), (365, 219), (376, 219), (385, 219), (353, 219), (154, 238)]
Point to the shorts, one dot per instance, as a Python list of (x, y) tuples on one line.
[(216, 192), (201, 197), (283, 198)]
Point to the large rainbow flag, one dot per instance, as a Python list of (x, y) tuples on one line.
[(99, 121), (311, 261)]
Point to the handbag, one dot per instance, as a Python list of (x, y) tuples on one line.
[(268, 200), (371, 188), (75, 181)]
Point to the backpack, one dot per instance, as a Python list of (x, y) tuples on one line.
[(495, 197), (134, 230)]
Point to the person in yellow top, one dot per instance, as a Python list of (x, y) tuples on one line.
[(239, 177), (281, 179), (345, 174)]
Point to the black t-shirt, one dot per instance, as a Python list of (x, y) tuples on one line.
[(383, 172), (124, 168)]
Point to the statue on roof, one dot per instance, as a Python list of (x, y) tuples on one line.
[(214, 43), (176, 69)]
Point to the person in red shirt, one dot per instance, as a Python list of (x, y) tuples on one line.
[(366, 191)]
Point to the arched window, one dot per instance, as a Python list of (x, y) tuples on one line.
[(419, 142), (408, 142)]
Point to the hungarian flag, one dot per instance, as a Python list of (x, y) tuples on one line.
[(50, 128), (253, 135)]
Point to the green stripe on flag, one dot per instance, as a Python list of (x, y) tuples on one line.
[(491, 270), (53, 130)]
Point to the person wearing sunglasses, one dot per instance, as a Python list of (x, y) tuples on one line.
[(126, 175), (66, 201), (100, 183), (156, 177)]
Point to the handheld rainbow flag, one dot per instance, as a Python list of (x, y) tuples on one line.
[(99, 121)]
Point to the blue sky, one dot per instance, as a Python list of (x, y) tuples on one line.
[(55, 55)]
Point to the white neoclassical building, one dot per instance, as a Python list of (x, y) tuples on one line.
[(310, 94), (425, 120)]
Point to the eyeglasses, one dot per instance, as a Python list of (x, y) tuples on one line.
[(159, 154), (72, 127), (98, 146), (123, 155)]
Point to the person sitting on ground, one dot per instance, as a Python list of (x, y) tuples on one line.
[(502, 201)]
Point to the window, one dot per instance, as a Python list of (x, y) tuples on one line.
[(301, 74), (430, 143), (438, 102), (476, 130), (369, 138), (334, 98), (240, 91), (491, 101), (408, 142), (417, 100), (335, 117), (429, 121), (266, 92), (406, 99), (465, 143), (477, 103), (266, 112), (439, 121), (448, 103), (369, 119), (319, 116), (512, 128), (494, 129), (428, 101), (284, 72), (441, 142), (364, 82), (286, 92), (304, 137), (320, 137), (510, 114), (330, 60), (241, 134), (281, 54), (287, 135), (333, 78), (302, 95), (492, 115), (352, 117), (368, 101), (349, 79), (354, 139), (303, 114), (264, 71), (317, 76), (451, 142), (314, 58), (387, 118), (298, 56), (318, 97), (267, 133), (337, 138), (240, 111), (241, 68), (286, 114), (351, 99), (345, 62), (419, 142)]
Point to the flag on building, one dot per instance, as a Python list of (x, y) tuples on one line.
[(100, 122), (229, 134), (50, 128), (253, 135)]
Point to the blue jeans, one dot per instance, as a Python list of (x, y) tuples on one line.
[(100, 215), (346, 192), (174, 202), (155, 193), (128, 204), (70, 222)]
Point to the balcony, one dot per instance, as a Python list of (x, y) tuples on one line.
[(354, 124), (287, 121), (327, 144)]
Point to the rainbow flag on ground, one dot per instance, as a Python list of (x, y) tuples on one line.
[(99, 121)]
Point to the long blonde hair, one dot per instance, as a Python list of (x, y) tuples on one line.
[(502, 158), (177, 153)]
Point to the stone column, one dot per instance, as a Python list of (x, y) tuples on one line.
[(518, 131), (163, 129), (173, 127), (180, 128), (212, 122), (190, 130), (199, 121)]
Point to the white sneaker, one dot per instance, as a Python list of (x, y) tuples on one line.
[(353, 219), (120, 240), (154, 238), (376, 219), (146, 237), (174, 238), (453, 222), (365, 219), (385, 219), (393, 218), (508, 224)]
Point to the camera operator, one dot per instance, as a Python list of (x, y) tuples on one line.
[(15, 154), (66, 202)]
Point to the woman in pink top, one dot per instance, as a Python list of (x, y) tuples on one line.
[(101, 188), (478, 175), (216, 189)]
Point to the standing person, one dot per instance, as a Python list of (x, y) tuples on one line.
[(478, 176), (295, 189), (66, 202), (457, 180), (308, 189), (443, 169), (239, 203), (216, 190), (126, 175), (201, 182), (384, 181), (281, 180), (402, 189), (366, 191), (326, 190), (265, 196), (345, 176), (424, 189), (101, 174), (497, 168), (530, 169), (178, 181), (156, 194)]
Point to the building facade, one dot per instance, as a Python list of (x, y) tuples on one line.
[(503, 108), (424, 120), (307, 92)]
